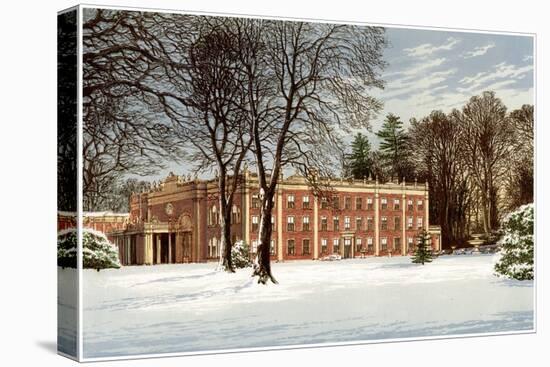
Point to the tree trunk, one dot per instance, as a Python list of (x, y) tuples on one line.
[(262, 265), (225, 262)]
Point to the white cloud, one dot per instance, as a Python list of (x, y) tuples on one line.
[(500, 71), (527, 58), (426, 49), (417, 83), (478, 51)]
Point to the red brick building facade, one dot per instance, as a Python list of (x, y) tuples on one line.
[(177, 221)]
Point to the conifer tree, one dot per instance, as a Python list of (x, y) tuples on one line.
[(360, 159), (394, 150), (422, 253)]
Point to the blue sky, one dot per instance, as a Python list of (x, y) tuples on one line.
[(431, 70), (441, 70)]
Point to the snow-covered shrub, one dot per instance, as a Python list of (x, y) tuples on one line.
[(98, 253), (517, 252), (240, 256)]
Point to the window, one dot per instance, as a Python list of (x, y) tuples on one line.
[(255, 223), (358, 245), (335, 224), (290, 201), (336, 202), (255, 202), (272, 223), (397, 223), (410, 243), (358, 223), (347, 223), (213, 217), (384, 243), (370, 244), (305, 247), (395, 204), (419, 222), (384, 223), (384, 204), (347, 203), (305, 223), (305, 202), (410, 205), (272, 247), (291, 247), (213, 247), (335, 246), (369, 204), (290, 224), (324, 246), (236, 215), (409, 222), (254, 248), (358, 203), (420, 205), (370, 224), (324, 225), (397, 243), (324, 203)]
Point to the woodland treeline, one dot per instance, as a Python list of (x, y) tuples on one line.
[(478, 161)]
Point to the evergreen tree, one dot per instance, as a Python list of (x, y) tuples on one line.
[(360, 159), (423, 252), (97, 253), (240, 256), (394, 150), (517, 254)]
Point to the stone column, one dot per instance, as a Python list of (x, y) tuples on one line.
[(158, 248), (279, 224), (427, 208), (376, 223), (352, 239), (404, 243), (169, 247), (148, 253), (246, 209), (315, 228)]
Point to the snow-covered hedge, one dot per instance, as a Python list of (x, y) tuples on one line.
[(517, 252), (240, 255), (98, 253)]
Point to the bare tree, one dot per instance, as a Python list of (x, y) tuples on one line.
[(205, 101), (121, 135), (306, 83), (438, 157), (487, 139), (520, 176)]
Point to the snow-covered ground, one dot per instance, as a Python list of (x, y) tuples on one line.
[(191, 307)]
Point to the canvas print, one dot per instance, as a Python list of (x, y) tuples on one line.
[(240, 183)]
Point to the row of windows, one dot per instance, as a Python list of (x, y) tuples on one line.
[(385, 245), (359, 225), (214, 215), (335, 203)]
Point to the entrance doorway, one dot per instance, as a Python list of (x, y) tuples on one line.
[(347, 248)]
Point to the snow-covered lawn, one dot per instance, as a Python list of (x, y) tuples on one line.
[(190, 307)]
